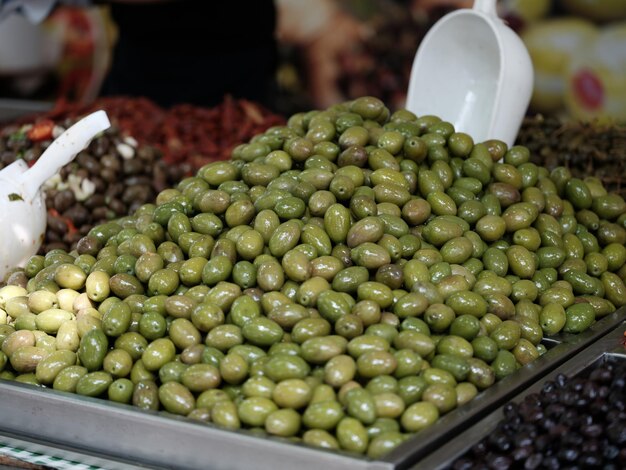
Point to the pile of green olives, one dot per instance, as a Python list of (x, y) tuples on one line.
[(342, 281)]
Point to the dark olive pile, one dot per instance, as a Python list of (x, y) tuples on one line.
[(111, 178), (586, 148), (342, 281), (572, 423)]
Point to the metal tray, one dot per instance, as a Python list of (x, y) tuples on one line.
[(611, 347), (101, 430)]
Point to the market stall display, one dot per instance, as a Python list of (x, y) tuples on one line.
[(343, 281), (352, 288)]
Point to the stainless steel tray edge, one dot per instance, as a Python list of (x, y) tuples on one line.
[(147, 438), (607, 346)]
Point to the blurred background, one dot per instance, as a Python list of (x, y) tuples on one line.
[(332, 50)]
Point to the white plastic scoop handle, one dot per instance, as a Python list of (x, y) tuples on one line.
[(475, 72), (62, 151)]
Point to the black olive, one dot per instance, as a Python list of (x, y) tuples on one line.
[(534, 461), (592, 430)]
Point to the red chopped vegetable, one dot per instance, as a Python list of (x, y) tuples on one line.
[(184, 133), (41, 130), (71, 228)]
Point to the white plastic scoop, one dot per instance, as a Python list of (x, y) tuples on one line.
[(22, 203), (475, 72)]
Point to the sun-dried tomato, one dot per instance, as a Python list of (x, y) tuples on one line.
[(184, 133), (41, 130), (71, 228)]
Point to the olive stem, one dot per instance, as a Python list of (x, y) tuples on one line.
[(487, 7)]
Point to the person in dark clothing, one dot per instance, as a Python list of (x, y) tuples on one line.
[(193, 51)]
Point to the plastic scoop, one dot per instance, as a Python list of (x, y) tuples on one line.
[(22, 203), (475, 72)]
